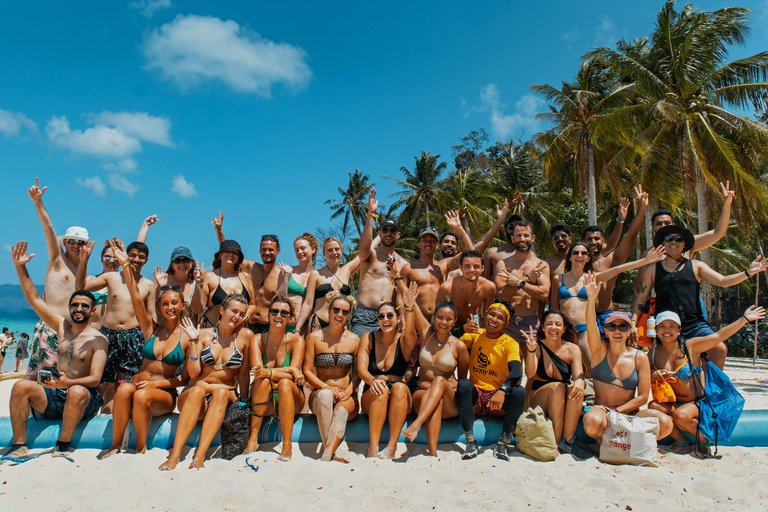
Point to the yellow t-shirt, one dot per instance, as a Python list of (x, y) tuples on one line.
[(489, 358)]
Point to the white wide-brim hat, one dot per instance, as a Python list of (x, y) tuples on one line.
[(75, 233)]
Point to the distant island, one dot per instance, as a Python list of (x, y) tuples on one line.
[(13, 303)]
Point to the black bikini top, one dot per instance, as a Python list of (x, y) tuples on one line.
[(324, 289)]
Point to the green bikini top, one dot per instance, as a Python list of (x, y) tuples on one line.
[(286, 360), (175, 358), (295, 288)]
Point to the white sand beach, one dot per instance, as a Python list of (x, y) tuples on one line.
[(414, 482)]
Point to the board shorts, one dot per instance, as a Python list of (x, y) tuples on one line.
[(124, 352), (520, 324), (364, 320), (57, 397), (43, 349)]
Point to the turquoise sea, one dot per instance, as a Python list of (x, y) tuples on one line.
[(17, 325)]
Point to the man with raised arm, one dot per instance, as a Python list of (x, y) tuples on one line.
[(663, 217), (68, 390), (496, 254), (677, 281), (471, 293), (266, 276), (523, 280), (59, 281), (119, 325), (449, 244), (593, 238), (376, 280)]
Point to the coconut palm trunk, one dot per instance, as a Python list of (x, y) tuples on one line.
[(591, 194)]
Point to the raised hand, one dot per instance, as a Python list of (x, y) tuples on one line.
[(120, 255), (530, 340), (198, 273), (623, 208), (151, 220), (727, 193), (85, 252), (285, 268), (655, 254), (192, 331), (19, 254), (157, 273), (591, 285), (218, 220), (754, 313), (501, 213), (453, 219), (757, 266), (35, 192), (373, 204), (409, 297), (640, 196)]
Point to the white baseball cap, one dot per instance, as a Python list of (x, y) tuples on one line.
[(668, 315)]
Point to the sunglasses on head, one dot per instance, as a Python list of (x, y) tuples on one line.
[(269, 237), (557, 238), (283, 313), (674, 238), (76, 306), (382, 316), (175, 288), (336, 311), (620, 327), (72, 241)]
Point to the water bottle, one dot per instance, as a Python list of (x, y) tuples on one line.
[(650, 327), (476, 319)]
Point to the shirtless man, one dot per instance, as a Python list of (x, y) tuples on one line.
[(69, 392), (496, 254), (119, 325), (561, 240), (593, 238), (266, 276), (470, 291), (59, 281), (662, 217), (427, 273), (449, 245), (523, 280), (376, 285)]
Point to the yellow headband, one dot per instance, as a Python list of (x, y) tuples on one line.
[(501, 307)]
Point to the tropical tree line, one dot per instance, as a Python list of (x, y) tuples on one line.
[(668, 111)]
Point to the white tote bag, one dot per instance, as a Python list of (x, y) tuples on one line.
[(630, 440)]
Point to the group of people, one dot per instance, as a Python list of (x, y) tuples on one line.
[(436, 337), (8, 341)]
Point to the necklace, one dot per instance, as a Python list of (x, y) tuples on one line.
[(439, 343), (469, 299)]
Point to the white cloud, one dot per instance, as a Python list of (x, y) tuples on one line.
[(140, 125), (127, 165), (571, 34), (606, 33), (182, 187), (148, 8), (7, 248), (195, 49), (94, 184), (12, 123), (119, 182), (100, 141), (505, 125)]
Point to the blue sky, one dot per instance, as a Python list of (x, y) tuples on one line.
[(260, 109)]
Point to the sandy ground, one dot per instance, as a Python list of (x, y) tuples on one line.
[(414, 481)]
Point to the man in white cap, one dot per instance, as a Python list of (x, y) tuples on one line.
[(63, 259)]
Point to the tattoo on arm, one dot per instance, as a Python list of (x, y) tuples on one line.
[(643, 288)]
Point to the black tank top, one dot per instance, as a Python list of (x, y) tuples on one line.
[(679, 291)]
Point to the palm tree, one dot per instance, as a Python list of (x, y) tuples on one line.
[(577, 107), (420, 187), (470, 192), (353, 201)]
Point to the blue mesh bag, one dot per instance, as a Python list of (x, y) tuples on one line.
[(721, 407)]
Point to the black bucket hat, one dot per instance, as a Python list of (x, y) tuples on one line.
[(230, 245), (688, 238)]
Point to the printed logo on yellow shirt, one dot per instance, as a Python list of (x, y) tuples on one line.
[(482, 359)]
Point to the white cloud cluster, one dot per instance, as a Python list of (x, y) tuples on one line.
[(606, 33), (114, 138), (148, 8), (505, 125), (192, 50), (11, 123), (182, 187)]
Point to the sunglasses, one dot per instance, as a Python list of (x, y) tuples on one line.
[(382, 316), (674, 238), (336, 311), (580, 253), (106, 257), (281, 312), (557, 238), (389, 230), (269, 237), (175, 288), (620, 327), (72, 241), (182, 259), (83, 307)]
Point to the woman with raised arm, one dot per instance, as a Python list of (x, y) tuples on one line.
[(568, 293), (217, 363), (329, 362), (295, 287), (226, 278), (183, 272), (553, 367), (621, 374), (439, 358), (152, 391), (679, 362), (278, 385), (382, 360)]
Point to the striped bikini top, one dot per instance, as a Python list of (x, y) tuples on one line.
[(206, 356)]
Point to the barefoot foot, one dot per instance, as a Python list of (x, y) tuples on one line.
[(373, 451), (387, 453), (169, 464), (411, 432), (340, 459), (196, 464)]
